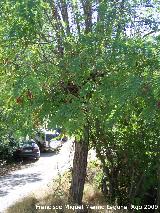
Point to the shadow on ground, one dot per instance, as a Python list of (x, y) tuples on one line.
[(13, 180)]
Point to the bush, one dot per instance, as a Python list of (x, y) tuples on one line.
[(8, 146), (129, 158)]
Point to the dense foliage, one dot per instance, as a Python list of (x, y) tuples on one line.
[(88, 63), (8, 147)]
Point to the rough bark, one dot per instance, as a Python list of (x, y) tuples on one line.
[(79, 170), (87, 9)]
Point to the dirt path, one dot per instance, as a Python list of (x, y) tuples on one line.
[(19, 183)]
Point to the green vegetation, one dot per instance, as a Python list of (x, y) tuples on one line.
[(7, 147), (57, 192), (91, 67)]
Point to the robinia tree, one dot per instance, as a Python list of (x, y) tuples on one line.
[(83, 65)]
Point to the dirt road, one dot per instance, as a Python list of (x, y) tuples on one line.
[(19, 183)]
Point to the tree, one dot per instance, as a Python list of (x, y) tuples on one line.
[(65, 62)]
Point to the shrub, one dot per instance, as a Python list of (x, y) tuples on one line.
[(8, 146)]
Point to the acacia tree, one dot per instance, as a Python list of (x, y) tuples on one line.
[(59, 59)]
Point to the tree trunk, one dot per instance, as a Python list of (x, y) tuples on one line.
[(79, 170)]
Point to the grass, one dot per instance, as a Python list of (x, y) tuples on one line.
[(27, 204)]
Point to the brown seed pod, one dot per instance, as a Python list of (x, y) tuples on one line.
[(158, 104), (29, 95), (19, 100)]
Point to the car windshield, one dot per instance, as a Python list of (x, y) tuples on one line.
[(50, 136), (27, 143)]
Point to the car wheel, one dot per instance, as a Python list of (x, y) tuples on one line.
[(37, 158)]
